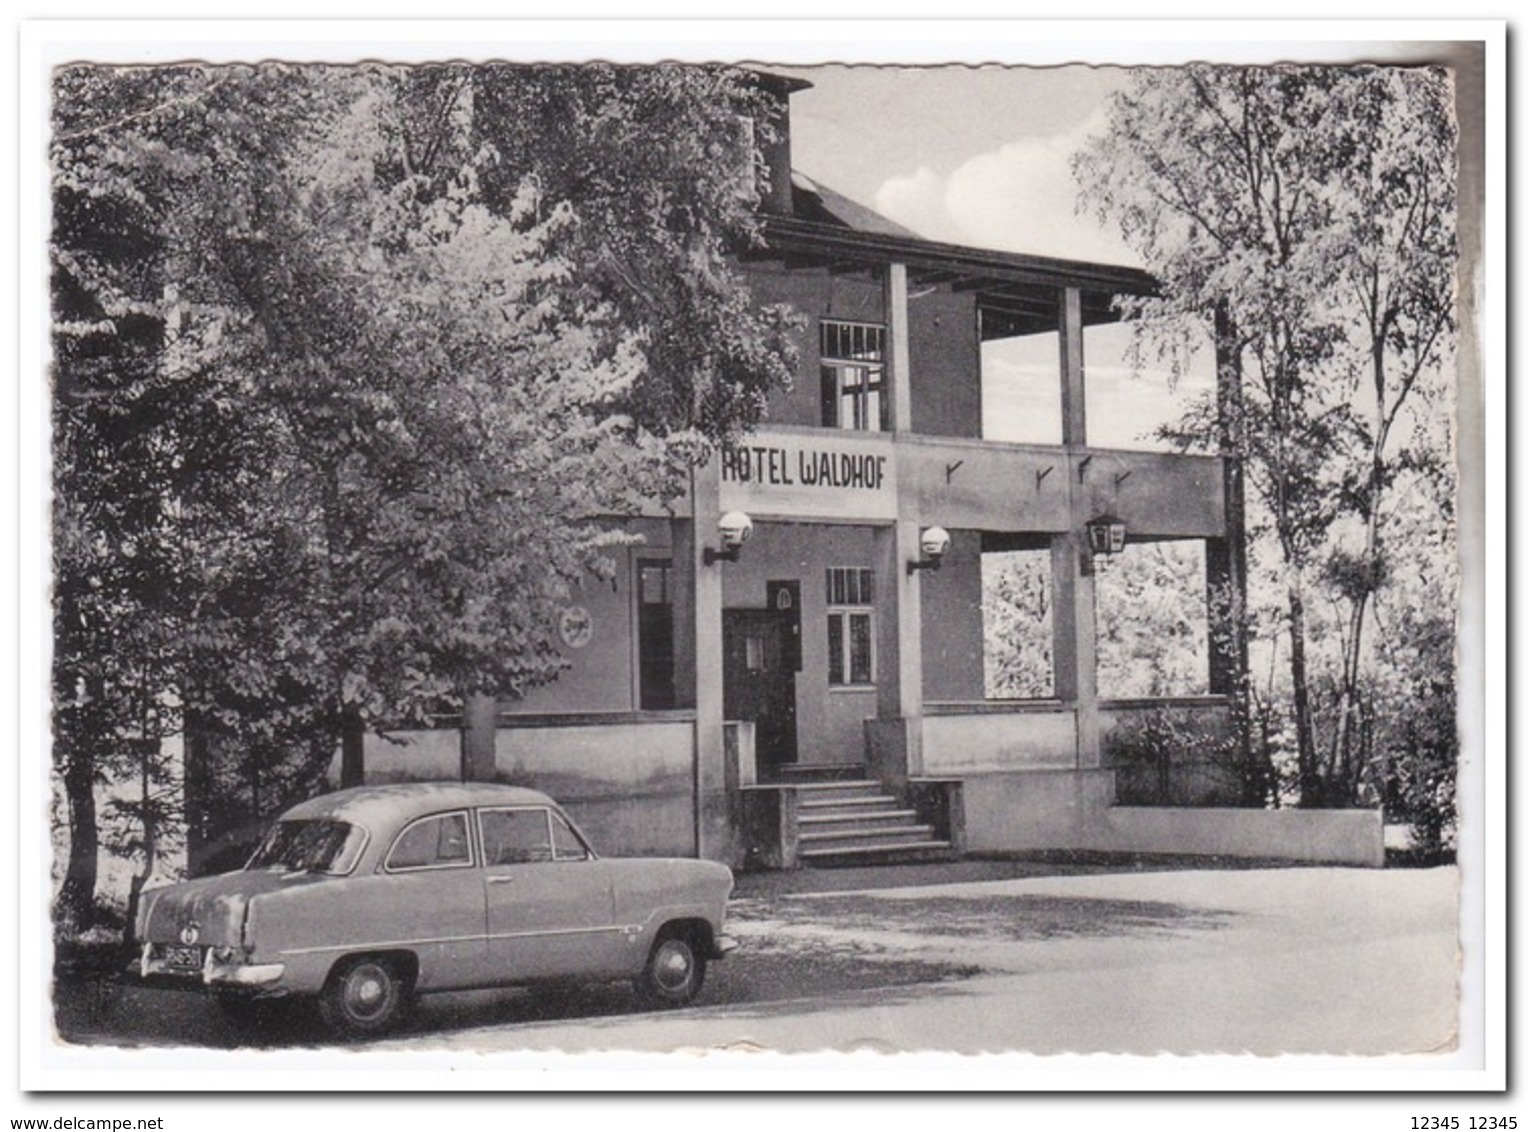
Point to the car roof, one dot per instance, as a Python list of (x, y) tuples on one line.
[(374, 806)]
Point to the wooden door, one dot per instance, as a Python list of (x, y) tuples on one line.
[(759, 681)]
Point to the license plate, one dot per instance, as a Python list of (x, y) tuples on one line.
[(183, 958)]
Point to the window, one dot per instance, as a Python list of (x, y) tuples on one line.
[(655, 634), (853, 376), (432, 843), (566, 844), (851, 625), (528, 836), (319, 846), (515, 837)]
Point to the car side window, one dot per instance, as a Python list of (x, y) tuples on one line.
[(566, 844), (432, 843), (515, 837)]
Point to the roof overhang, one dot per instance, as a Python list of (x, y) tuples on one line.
[(1017, 294)]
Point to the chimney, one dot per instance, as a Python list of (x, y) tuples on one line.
[(777, 199)]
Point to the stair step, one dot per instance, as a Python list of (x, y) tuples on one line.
[(848, 807), (845, 786), (857, 816), (882, 836), (930, 850), (848, 802)]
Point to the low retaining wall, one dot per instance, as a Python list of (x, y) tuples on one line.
[(1333, 837), (1034, 810), (1029, 811)]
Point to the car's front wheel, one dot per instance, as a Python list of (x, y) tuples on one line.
[(364, 996), (674, 973)]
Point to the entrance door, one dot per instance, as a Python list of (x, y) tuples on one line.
[(759, 681)]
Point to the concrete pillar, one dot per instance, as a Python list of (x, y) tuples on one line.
[(1074, 629), (1074, 617), (480, 726), (896, 737), (713, 827), (1074, 407), (898, 366)]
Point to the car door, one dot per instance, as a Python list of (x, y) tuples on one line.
[(550, 905), (428, 898)]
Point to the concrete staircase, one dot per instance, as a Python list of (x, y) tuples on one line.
[(854, 821)]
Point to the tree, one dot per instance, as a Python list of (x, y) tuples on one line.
[(132, 434), (1305, 214), (1396, 217), (403, 387), (1017, 638)]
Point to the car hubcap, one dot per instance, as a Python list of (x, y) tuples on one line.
[(368, 991), (673, 966)]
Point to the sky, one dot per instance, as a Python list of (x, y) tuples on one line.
[(965, 155), (981, 156)]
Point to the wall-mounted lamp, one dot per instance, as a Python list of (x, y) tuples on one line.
[(931, 545), (1106, 537), (735, 528)]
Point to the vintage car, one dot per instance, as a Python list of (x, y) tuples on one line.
[(362, 898)]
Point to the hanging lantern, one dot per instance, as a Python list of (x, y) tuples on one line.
[(1106, 535)]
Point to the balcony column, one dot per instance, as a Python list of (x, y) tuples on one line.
[(1074, 408), (1074, 608), (898, 368), (894, 739)]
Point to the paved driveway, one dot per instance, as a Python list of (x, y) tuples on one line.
[(1311, 961)]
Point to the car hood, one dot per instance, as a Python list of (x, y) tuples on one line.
[(215, 907)]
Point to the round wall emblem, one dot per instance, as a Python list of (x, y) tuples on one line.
[(575, 626)]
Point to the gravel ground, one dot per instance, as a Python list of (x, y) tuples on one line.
[(807, 934)]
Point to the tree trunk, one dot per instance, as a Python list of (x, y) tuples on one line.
[(352, 748), (76, 897), (1350, 764), (1311, 793), (1230, 669), (150, 850)]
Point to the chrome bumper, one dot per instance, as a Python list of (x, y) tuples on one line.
[(213, 972)]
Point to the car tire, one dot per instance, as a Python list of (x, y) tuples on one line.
[(364, 996), (674, 974)]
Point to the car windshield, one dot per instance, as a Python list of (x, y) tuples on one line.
[(318, 846)]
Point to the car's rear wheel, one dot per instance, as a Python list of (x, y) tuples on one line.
[(364, 996), (675, 972)]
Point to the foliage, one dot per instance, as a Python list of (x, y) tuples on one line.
[(1307, 215), (1165, 756), (1153, 628), (1016, 607), (349, 364)]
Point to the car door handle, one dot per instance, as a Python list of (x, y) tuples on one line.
[(501, 878)]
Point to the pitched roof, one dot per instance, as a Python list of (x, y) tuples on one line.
[(815, 202), (1017, 293)]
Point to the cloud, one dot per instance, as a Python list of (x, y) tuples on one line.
[(1018, 198)]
